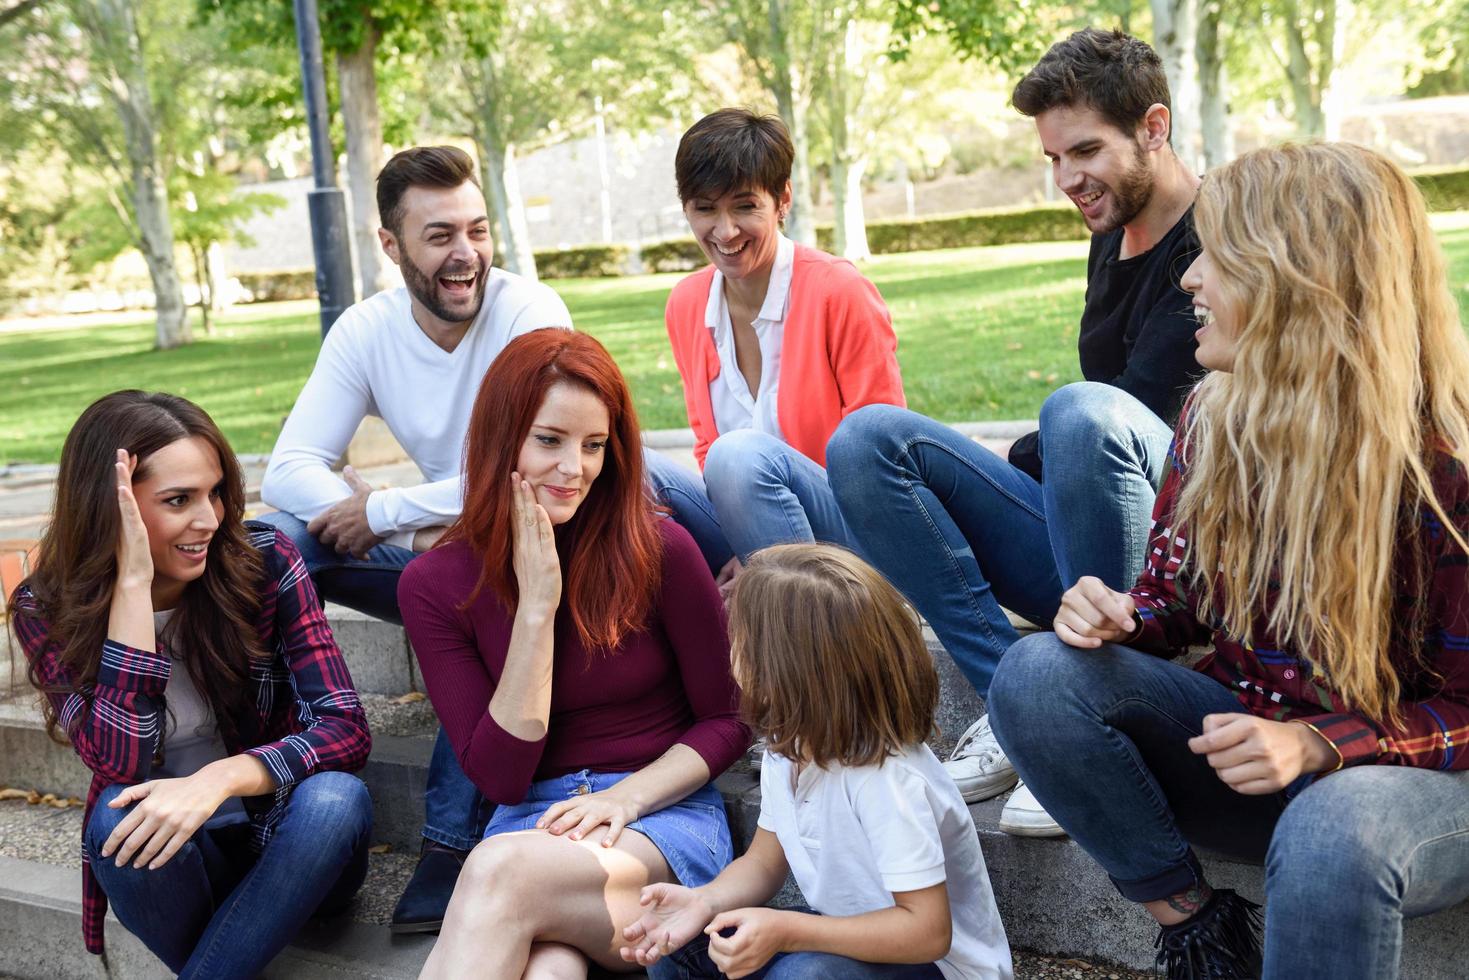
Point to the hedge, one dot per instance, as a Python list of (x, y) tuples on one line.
[(581, 261), (676, 255), (1444, 190), (1047, 223), (279, 284)]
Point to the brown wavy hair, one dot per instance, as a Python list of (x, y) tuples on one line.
[(76, 566), (830, 660), (610, 550)]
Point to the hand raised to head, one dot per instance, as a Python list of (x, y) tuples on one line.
[(536, 564), (134, 560)]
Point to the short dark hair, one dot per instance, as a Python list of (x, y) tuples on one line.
[(419, 166), (1109, 71), (733, 150)]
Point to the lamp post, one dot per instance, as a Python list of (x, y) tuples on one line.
[(325, 202)]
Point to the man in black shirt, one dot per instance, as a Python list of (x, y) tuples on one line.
[(962, 532)]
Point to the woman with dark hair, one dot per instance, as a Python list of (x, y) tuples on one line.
[(776, 343), (190, 666), (573, 645)]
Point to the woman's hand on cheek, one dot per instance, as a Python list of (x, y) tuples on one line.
[(537, 567), (134, 560), (758, 935), (580, 815)]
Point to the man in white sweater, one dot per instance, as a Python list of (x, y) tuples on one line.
[(414, 357)]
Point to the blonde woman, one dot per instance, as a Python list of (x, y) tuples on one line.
[(1312, 528)]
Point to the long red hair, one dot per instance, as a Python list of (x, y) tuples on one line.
[(611, 552)]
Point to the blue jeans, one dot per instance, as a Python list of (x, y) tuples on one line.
[(692, 962), (1100, 737), (216, 910), (962, 533), (682, 491), (454, 811), (756, 491)]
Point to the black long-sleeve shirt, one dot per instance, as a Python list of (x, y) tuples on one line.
[(1137, 329)]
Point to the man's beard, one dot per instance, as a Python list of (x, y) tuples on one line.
[(425, 288), (1133, 192)]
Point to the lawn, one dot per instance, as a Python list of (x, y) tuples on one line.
[(984, 333)]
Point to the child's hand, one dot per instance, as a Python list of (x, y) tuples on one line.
[(672, 915), (758, 935)]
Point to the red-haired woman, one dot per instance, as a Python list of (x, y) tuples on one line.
[(191, 668), (573, 645)]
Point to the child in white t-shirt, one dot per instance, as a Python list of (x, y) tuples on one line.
[(835, 676)]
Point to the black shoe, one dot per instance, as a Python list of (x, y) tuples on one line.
[(422, 905), (1221, 941)]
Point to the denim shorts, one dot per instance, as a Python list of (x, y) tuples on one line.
[(692, 834)]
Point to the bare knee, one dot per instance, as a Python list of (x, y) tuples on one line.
[(495, 870), (555, 961)]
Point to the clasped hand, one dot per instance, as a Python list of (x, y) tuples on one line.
[(344, 526), (673, 915), (168, 813)]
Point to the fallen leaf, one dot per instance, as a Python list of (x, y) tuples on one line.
[(15, 794), (1033, 375), (380, 849), (412, 697)]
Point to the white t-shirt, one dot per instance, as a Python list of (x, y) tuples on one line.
[(729, 394), (377, 361), (854, 836), (191, 734)]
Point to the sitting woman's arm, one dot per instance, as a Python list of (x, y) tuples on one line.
[(498, 730), (692, 613), (864, 349)]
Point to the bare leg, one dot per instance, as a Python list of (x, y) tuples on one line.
[(553, 961), (1175, 908), (531, 887)]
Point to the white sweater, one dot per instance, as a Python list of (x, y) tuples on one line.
[(376, 361)]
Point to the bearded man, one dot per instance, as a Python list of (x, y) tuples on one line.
[(963, 532), (415, 357)]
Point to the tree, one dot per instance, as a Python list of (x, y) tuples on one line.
[(1174, 38), (788, 45), (211, 212), (1217, 140), (116, 50), (533, 73)]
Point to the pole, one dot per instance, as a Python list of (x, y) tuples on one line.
[(325, 203)]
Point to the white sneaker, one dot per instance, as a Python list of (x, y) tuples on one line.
[(1024, 816), (978, 764)]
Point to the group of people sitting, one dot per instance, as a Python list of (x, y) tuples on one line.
[(1267, 458)]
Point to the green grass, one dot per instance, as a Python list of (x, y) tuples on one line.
[(984, 333)]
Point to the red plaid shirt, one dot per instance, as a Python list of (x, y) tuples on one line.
[(307, 715), (1432, 604)]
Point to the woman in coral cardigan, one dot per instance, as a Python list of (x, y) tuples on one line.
[(775, 342)]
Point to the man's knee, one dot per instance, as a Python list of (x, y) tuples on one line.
[(294, 528)]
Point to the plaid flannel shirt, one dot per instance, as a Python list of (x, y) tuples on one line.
[(1431, 576), (307, 715)]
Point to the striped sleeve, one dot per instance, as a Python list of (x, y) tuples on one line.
[(329, 727), (116, 725)]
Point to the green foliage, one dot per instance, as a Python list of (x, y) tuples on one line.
[(208, 210), (272, 287), (1444, 190), (674, 255), (975, 228), (582, 262)]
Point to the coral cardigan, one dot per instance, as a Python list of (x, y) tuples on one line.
[(838, 352)]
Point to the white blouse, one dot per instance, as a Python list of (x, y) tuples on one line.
[(729, 395)]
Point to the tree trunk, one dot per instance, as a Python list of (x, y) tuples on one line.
[(114, 39), (793, 102), (1213, 89), (502, 189), (206, 293), (1173, 38), (848, 164), (1304, 78), (357, 74)]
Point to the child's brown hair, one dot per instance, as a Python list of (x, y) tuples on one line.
[(830, 661)]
